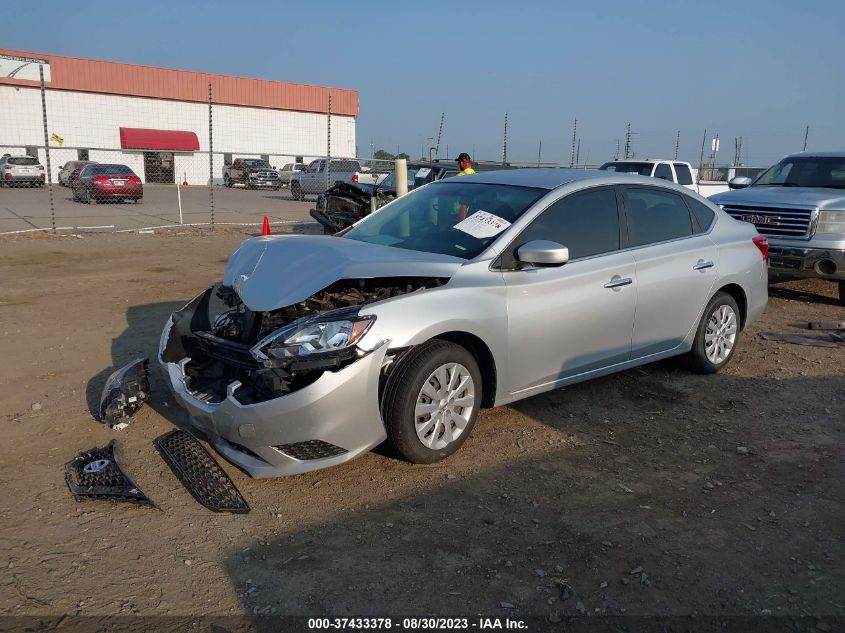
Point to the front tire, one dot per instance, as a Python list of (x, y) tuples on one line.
[(716, 337), (431, 401)]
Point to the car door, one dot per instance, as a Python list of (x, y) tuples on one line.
[(676, 266), (575, 318), (309, 177)]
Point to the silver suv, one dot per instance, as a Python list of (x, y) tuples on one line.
[(799, 204), (21, 170)]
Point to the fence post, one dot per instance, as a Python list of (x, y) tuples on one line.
[(210, 157), (329, 144), (47, 147)]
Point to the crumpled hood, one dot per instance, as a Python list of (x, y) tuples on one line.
[(276, 271), (775, 196)]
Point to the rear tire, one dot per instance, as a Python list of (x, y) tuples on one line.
[(227, 182), (716, 336), (842, 292), (296, 191), (431, 401), (89, 197)]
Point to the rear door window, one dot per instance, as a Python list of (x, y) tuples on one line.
[(586, 223), (684, 174), (656, 216), (664, 172)]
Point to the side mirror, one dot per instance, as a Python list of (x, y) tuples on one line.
[(543, 253), (739, 182)]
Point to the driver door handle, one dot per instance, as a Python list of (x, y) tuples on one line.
[(616, 283), (702, 264)]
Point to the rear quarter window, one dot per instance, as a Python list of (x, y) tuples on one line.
[(704, 215)]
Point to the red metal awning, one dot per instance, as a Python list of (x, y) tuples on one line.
[(169, 140)]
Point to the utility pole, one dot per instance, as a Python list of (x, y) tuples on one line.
[(578, 153), (677, 144), (439, 134), (505, 142), (715, 149), (701, 158), (628, 142), (737, 152), (616, 154), (806, 135), (539, 152), (574, 131)]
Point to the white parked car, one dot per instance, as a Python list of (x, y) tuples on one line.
[(21, 170)]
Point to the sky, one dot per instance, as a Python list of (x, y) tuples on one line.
[(760, 70)]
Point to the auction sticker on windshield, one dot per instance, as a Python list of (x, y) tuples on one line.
[(482, 224)]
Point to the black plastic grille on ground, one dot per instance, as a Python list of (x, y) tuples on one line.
[(312, 449), (200, 473), (95, 474)]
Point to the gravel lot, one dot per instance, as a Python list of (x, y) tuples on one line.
[(625, 495)]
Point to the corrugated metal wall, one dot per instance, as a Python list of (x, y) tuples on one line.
[(70, 73)]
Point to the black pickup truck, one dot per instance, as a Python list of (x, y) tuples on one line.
[(251, 173)]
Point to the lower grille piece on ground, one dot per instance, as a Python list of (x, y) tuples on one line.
[(95, 474), (312, 449), (200, 473)]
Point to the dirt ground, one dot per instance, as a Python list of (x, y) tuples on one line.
[(624, 495)]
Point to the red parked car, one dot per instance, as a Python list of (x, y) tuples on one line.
[(98, 183)]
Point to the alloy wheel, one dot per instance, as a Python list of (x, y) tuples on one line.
[(720, 335)]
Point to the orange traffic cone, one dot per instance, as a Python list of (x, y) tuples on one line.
[(265, 229)]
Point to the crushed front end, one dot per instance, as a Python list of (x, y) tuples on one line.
[(284, 391)]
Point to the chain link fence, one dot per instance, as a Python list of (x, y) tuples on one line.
[(71, 160)]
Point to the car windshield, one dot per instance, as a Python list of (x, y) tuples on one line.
[(416, 176), (807, 171), (451, 218), (643, 169), (122, 170), (23, 160), (256, 162), (345, 165)]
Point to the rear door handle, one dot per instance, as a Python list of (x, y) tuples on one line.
[(619, 282), (701, 265)]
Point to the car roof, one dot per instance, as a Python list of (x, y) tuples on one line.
[(544, 177), (816, 155), (646, 160)]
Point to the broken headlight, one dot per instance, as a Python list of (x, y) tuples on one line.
[(320, 336)]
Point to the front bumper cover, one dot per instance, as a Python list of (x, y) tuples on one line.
[(339, 410), (796, 262)]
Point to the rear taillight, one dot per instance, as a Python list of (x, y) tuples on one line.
[(41, 167), (134, 179), (7, 167), (763, 244), (354, 177)]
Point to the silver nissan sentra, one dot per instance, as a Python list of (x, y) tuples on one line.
[(467, 293)]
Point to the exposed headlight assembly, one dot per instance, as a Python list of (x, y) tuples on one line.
[(831, 222), (323, 340)]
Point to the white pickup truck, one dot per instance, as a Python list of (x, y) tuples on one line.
[(675, 171), (321, 174)]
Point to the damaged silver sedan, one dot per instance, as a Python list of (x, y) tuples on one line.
[(466, 293)]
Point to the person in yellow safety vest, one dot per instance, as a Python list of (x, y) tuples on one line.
[(465, 163)]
